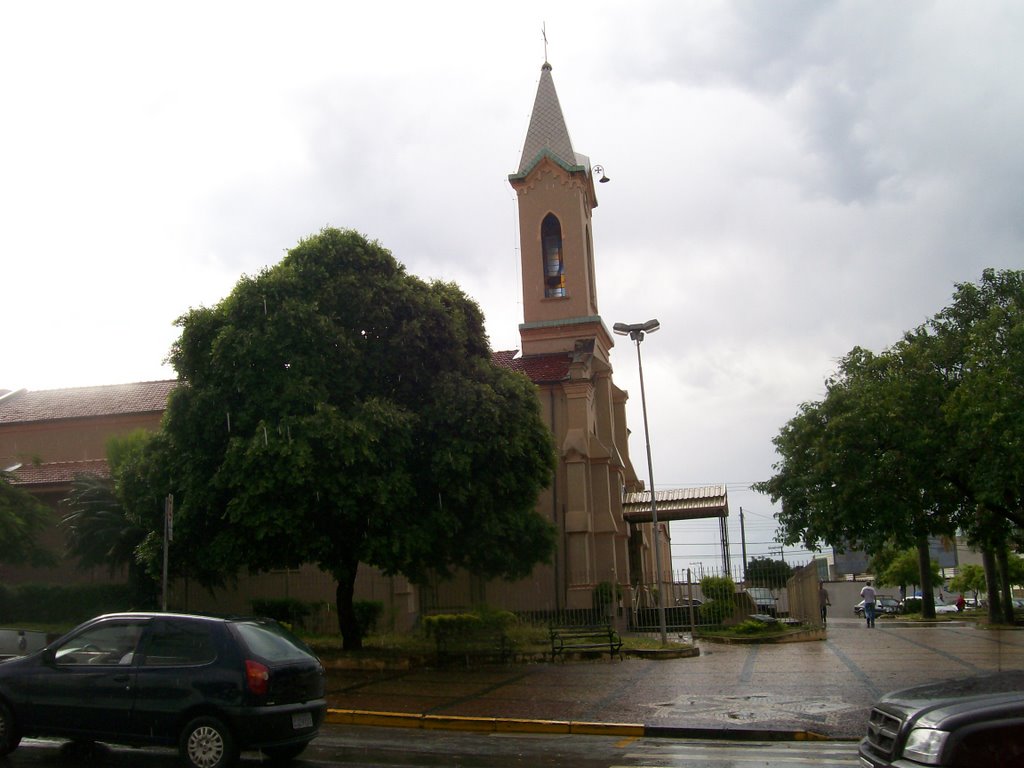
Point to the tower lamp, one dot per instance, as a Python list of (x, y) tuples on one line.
[(636, 332)]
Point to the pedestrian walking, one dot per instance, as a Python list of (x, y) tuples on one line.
[(823, 602), (868, 593)]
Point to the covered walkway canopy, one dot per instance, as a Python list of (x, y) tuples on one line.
[(677, 504)]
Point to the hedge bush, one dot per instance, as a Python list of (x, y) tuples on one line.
[(461, 626), (66, 604)]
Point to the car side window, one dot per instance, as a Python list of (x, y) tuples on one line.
[(176, 644), (111, 642)]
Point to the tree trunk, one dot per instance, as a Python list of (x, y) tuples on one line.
[(988, 562), (924, 564), (1004, 586), (351, 634)]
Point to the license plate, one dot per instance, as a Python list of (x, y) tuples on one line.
[(302, 720)]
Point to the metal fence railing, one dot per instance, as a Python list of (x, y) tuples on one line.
[(629, 607)]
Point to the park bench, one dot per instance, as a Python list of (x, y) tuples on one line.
[(601, 638)]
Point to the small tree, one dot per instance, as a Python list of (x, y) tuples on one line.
[(720, 594), (766, 572), (971, 578), (101, 530), (904, 569)]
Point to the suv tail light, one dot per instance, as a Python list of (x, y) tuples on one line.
[(257, 677)]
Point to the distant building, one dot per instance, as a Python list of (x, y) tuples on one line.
[(48, 437)]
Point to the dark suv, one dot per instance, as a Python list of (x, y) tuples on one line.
[(212, 687), (971, 723)]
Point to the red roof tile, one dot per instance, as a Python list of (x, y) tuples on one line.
[(539, 368), (85, 402), (57, 472)]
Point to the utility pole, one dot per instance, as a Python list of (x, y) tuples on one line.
[(743, 542)]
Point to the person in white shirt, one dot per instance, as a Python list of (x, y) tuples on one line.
[(868, 593)]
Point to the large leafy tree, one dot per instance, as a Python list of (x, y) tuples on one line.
[(23, 520), (982, 336), (979, 346), (336, 410), (893, 452), (857, 468)]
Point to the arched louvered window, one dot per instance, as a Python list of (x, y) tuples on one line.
[(554, 263)]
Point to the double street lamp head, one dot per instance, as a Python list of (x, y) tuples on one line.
[(636, 331)]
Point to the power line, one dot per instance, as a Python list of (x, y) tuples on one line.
[(771, 543)]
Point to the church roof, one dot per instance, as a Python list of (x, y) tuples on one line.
[(84, 402), (547, 134), (538, 368)]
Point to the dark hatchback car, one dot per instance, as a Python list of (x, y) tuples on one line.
[(211, 687), (973, 723)]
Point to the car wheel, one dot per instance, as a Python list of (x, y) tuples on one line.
[(207, 743), (286, 753), (9, 736)]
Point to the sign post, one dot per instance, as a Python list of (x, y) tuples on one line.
[(168, 537)]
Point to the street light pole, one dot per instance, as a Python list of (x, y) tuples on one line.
[(636, 332)]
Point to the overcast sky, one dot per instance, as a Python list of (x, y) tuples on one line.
[(789, 180)]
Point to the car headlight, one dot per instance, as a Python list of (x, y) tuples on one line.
[(925, 745)]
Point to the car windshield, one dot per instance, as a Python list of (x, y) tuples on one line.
[(272, 642)]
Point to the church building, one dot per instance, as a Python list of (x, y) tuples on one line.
[(596, 502)]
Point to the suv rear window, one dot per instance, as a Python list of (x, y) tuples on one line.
[(272, 642)]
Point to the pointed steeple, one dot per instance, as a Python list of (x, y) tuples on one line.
[(555, 192), (547, 133)]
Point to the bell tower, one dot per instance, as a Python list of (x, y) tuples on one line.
[(555, 190)]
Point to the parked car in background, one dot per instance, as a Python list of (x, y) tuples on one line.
[(211, 687), (764, 601), (968, 723), (913, 605), (883, 605), (20, 642), (685, 602)]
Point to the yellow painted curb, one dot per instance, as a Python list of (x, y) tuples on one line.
[(514, 725), (364, 717), (479, 724), (453, 723), (531, 726), (606, 729)]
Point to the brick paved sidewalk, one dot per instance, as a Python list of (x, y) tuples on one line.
[(824, 687)]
